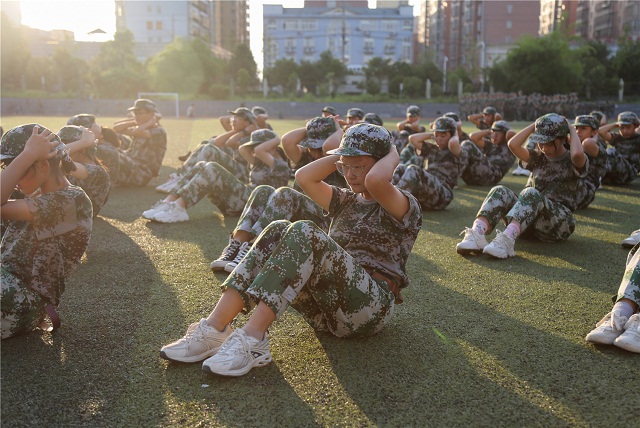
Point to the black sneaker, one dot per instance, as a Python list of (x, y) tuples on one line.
[(228, 254)]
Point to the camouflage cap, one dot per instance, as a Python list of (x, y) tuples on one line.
[(329, 109), (318, 130), (445, 124), (244, 113), (628, 118), (452, 115), (70, 133), (598, 115), (355, 112), (489, 110), (413, 111), (364, 139), (548, 127), (259, 136), (500, 126), (256, 110), (86, 120), (15, 139), (373, 119), (143, 104), (586, 120)]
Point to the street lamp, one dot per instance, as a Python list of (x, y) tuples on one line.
[(483, 59), (444, 75)]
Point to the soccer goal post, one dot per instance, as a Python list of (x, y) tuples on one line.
[(165, 96)]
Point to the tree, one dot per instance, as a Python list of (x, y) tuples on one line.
[(279, 74), (177, 68), (332, 69), (70, 71), (311, 76), (243, 59), (15, 54), (213, 68), (599, 76), (244, 81), (545, 65), (627, 63)]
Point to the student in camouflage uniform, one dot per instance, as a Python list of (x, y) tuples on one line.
[(108, 143), (346, 282), (621, 326), (412, 122), (373, 119), (544, 209), (49, 229), (89, 174), (409, 126), (484, 163), (222, 149), (142, 160), (596, 150), (624, 156), (354, 115), (267, 204), (462, 136), (329, 111), (268, 165), (433, 185)]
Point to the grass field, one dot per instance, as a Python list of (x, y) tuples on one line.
[(478, 342)]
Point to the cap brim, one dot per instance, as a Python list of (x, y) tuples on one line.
[(312, 143), (539, 139), (251, 144), (348, 151)]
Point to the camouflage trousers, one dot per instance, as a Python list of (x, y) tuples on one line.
[(209, 152), (297, 264), (432, 193), (133, 172), (408, 156), (110, 157), (267, 204), (475, 169), (22, 309), (538, 216), (630, 284), (586, 194), (619, 169), (212, 180)]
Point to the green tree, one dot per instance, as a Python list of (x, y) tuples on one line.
[(280, 72), (333, 70), (15, 54), (545, 65), (242, 59), (213, 68), (244, 82), (627, 64), (177, 68), (311, 77), (40, 74), (599, 76), (116, 73), (70, 71)]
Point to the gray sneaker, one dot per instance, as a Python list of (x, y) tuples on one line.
[(174, 213), (631, 240), (239, 354), (159, 206), (228, 254), (201, 341)]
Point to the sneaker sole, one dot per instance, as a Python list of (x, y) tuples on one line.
[(600, 340), (467, 251), (501, 256), (627, 346), (217, 267), (258, 362), (193, 359)]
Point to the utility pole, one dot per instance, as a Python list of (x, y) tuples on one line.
[(344, 37)]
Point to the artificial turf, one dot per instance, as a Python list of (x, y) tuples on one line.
[(478, 341)]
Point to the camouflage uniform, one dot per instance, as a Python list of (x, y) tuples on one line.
[(328, 278), (142, 161), (597, 164), (110, 157), (623, 159), (431, 186), (96, 185), (209, 152), (40, 255), (546, 204), (334, 179), (486, 166), (630, 284)]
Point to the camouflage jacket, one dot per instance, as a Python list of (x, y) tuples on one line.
[(597, 165), (44, 252), (371, 236), (441, 163), (277, 176), (96, 186), (627, 147), (149, 152), (558, 179), (499, 157), (334, 179)]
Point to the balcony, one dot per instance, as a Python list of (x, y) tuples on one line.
[(309, 50)]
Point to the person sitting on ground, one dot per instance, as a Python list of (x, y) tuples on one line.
[(268, 165), (108, 143), (409, 126), (354, 115), (462, 136), (346, 282), (412, 122), (433, 186), (544, 209), (621, 326), (624, 155), (90, 173), (48, 230), (373, 119), (142, 160), (596, 150), (329, 111), (485, 164)]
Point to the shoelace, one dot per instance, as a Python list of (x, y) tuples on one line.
[(634, 323), (243, 252), (229, 250), (231, 341), (502, 240), (194, 333)]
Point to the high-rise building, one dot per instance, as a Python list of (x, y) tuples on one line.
[(558, 15), (231, 23), (349, 29)]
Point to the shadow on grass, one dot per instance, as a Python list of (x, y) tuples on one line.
[(84, 373)]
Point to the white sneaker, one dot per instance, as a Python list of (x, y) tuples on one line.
[(632, 240), (228, 254), (159, 206), (521, 171), (168, 185), (242, 251), (174, 213), (473, 242), (630, 339), (607, 329), (502, 246), (201, 341), (239, 354)]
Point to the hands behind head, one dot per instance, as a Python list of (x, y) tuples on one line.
[(88, 138), (41, 145)]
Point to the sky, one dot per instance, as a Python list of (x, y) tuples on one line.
[(84, 16)]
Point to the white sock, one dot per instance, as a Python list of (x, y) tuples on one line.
[(479, 226), (625, 309), (512, 230)]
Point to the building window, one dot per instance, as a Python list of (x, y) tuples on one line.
[(407, 25), (508, 24), (158, 25), (509, 9), (159, 9), (149, 25), (507, 39), (149, 9), (272, 25)]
